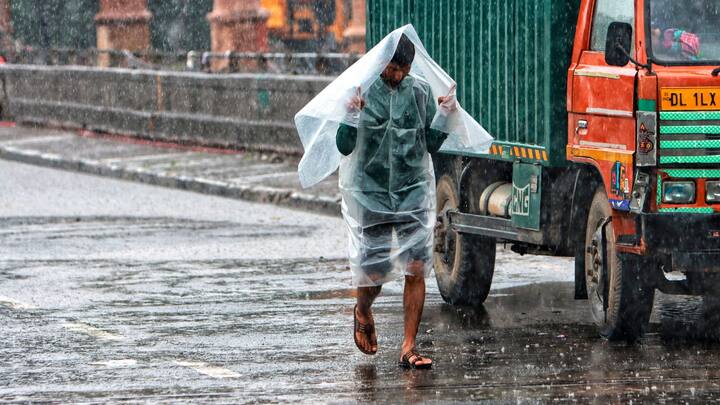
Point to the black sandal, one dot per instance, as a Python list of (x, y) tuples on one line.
[(366, 329), (413, 354)]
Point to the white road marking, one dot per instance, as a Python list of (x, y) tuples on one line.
[(92, 331), (209, 370), (116, 363), (14, 304), (37, 139)]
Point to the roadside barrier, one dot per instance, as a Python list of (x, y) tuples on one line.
[(238, 111)]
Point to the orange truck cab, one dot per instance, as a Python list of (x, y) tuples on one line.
[(644, 112), (606, 115)]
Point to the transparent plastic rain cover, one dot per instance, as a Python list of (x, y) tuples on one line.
[(388, 201)]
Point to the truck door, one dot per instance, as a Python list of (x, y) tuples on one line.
[(602, 123)]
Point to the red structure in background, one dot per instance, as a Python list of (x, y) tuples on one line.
[(122, 25), (237, 26), (6, 28), (354, 36)]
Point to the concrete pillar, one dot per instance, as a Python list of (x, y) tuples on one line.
[(355, 34), (6, 28), (122, 25), (237, 26)]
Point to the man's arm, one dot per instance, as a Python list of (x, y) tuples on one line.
[(345, 139), (433, 138)]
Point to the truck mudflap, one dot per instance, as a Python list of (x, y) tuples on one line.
[(692, 240)]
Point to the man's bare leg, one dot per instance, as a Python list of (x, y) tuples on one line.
[(413, 301), (365, 298)]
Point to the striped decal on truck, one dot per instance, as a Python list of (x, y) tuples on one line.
[(689, 137)]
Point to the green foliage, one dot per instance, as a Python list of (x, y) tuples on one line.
[(55, 23), (180, 25), (177, 25)]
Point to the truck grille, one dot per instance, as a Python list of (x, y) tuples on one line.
[(690, 138)]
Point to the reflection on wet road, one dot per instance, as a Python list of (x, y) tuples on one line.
[(159, 295)]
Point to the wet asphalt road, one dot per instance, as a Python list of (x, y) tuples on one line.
[(124, 292)]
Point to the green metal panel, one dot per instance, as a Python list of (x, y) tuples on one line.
[(526, 196), (510, 58)]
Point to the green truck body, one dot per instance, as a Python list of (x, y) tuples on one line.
[(510, 59), (624, 179)]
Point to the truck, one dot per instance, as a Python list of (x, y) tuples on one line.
[(316, 25), (606, 119)]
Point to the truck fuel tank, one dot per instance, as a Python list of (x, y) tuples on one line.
[(495, 200)]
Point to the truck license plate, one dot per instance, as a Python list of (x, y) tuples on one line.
[(690, 99)]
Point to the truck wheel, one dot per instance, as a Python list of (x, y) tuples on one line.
[(620, 298), (464, 264)]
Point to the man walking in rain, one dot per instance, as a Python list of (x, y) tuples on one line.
[(386, 132), (388, 194)]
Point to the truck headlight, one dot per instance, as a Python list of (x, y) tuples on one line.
[(713, 192), (678, 192)]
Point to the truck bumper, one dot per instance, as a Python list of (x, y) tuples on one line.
[(692, 241)]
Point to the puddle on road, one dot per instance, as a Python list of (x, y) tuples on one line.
[(684, 318), (512, 350), (25, 230), (528, 342)]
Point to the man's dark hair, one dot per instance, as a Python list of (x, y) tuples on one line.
[(405, 52)]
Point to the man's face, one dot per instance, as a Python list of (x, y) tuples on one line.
[(394, 74)]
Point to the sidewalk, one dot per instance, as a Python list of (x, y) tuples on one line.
[(247, 176)]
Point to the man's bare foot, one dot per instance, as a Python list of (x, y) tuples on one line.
[(365, 335)]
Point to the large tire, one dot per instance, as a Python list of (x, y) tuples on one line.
[(621, 301), (464, 264)]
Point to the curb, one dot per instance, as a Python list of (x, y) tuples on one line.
[(259, 194)]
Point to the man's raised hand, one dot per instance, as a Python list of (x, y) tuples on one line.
[(357, 102), (448, 104)]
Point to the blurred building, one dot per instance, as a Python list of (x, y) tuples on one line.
[(184, 25)]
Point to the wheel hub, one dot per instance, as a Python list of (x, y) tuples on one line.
[(596, 273), (444, 237)]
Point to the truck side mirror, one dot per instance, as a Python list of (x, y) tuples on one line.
[(618, 44)]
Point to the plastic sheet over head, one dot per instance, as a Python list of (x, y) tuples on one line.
[(317, 123)]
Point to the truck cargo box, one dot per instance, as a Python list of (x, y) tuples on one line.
[(510, 58)]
